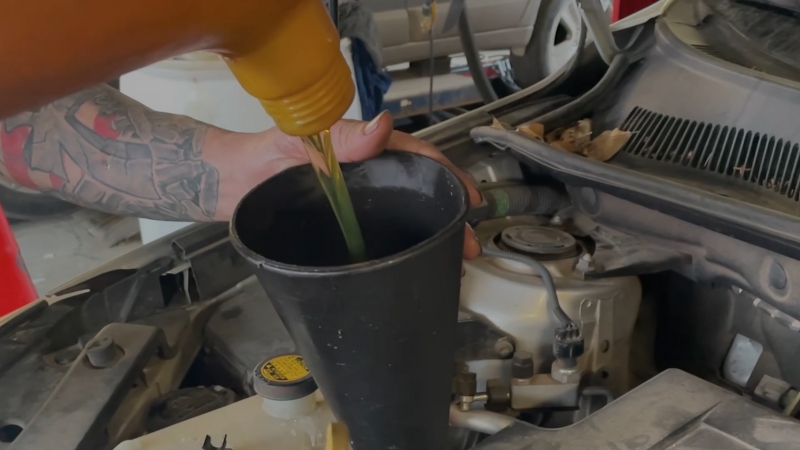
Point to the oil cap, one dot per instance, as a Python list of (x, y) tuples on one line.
[(283, 377)]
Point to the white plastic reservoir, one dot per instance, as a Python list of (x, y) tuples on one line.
[(247, 425)]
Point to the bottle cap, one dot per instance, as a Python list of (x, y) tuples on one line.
[(283, 377)]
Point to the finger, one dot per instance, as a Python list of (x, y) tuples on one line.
[(356, 140), (406, 142), (472, 248)]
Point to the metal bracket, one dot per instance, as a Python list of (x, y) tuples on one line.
[(476, 341), (215, 264), (597, 327), (77, 412), (128, 299)]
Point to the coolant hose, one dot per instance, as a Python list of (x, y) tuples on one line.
[(482, 421), (516, 200), (547, 280), (488, 95)]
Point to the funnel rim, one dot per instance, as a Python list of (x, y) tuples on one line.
[(360, 267)]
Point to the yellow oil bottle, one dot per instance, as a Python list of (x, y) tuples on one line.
[(304, 83), (283, 52)]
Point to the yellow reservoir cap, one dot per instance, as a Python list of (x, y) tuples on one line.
[(283, 377), (284, 369)]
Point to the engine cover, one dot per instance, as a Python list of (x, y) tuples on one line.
[(512, 299), (674, 411)]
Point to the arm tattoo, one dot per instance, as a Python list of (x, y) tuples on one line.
[(101, 149)]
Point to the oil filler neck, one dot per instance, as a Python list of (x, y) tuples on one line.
[(539, 242)]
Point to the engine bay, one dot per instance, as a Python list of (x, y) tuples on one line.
[(647, 302)]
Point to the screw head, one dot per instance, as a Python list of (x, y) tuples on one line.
[(102, 353)]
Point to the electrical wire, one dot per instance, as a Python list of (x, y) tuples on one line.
[(547, 280), (482, 83)]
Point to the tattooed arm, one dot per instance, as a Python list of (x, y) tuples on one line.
[(101, 149)]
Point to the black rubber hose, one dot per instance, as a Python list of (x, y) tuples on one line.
[(516, 200), (578, 108), (547, 280), (474, 59)]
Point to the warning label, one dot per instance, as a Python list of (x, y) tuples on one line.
[(286, 368)]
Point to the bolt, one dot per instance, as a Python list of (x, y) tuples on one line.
[(466, 384), (556, 220), (499, 393), (565, 374), (522, 365), (503, 348), (102, 353)]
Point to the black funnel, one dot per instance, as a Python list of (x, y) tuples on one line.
[(377, 336)]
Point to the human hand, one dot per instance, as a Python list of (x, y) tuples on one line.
[(262, 155)]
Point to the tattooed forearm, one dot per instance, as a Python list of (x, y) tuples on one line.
[(101, 149)]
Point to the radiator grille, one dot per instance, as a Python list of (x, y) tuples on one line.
[(755, 158)]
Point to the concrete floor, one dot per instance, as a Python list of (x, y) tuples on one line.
[(61, 248)]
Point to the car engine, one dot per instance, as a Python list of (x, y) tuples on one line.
[(644, 302)]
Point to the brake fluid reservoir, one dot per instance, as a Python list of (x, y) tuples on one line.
[(512, 298)]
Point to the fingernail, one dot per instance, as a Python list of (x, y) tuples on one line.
[(373, 124), (475, 235)]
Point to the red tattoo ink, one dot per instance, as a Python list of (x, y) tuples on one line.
[(104, 127), (13, 143), (56, 181)]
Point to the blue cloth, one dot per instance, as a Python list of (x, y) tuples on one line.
[(371, 81)]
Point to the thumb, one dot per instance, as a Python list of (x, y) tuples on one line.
[(356, 141)]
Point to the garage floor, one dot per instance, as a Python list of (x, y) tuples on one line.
[(59, 249)]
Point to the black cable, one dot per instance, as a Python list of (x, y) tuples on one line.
[(488, 95), (577, 108)]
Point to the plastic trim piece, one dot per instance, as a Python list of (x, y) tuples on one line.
[(759, 226)]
